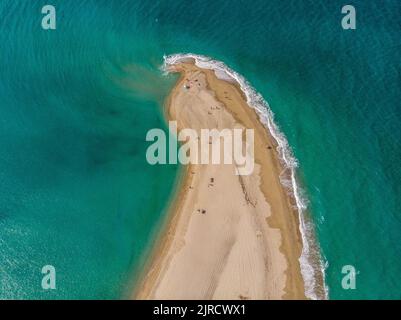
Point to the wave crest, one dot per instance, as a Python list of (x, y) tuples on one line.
[(310, 260)]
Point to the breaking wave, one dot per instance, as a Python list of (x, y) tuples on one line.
[(311, 262)]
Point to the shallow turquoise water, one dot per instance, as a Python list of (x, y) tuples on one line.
[(76, 103)]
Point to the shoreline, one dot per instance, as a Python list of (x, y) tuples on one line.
[(282, 216), (312, 264)]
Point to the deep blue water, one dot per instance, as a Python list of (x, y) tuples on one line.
[(76, 103)]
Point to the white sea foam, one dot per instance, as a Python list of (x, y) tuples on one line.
[(310, 260)]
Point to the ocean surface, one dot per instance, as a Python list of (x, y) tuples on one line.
[(76, 103)]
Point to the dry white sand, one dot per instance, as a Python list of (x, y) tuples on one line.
[(229, 236)]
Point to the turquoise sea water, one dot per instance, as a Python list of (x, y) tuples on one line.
[(76, 103)]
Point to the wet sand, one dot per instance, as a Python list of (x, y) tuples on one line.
[(228, 236)]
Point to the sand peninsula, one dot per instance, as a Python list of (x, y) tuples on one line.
[(227, 236)]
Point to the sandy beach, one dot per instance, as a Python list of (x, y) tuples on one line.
[(227, 236)]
